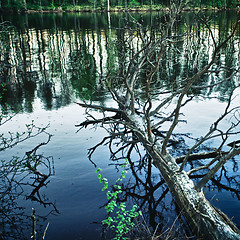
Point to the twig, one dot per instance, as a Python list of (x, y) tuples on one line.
[(45, 231), (34, 232)]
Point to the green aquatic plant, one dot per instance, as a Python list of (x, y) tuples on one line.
[(123, 222)]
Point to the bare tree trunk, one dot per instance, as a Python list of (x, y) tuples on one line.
[(205, 221)]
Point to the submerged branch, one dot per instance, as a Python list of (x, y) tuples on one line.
[(199, 156)]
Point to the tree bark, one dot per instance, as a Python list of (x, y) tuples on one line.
[(202, 217)]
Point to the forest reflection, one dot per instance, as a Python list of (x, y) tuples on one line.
[(57, 58)]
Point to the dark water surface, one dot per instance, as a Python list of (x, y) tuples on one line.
[(58, 59)]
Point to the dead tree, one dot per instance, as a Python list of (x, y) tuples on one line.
[(141, 109)]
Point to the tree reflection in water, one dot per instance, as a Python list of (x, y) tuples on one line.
[(148, 190), (18, 176)]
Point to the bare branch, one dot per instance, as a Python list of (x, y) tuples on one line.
[(212, 172), (198, 156), (191, 81), (212, 129), (98, 107)]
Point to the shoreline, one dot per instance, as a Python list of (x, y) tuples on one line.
[(113, 10)]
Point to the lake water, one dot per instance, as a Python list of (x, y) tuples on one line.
[(59, 59)]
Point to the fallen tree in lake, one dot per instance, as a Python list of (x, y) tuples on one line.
[(141, 109)]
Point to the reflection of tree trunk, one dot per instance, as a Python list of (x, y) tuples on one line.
[(6, 68), (109, 20), (28, 42), (24, 4), (76, 30), (39, 53), (43, 56), (94, 5), (100, 51), (22, 42), (40, 5), (108, 5), (62, 65), (93, 43)]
